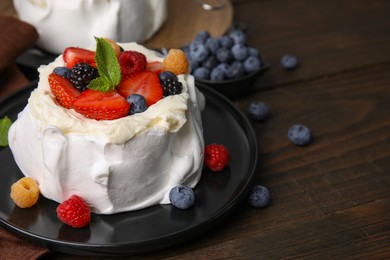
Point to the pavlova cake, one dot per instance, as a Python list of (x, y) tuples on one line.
[(118, 126)]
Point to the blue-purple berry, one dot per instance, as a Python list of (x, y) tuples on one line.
[(201, 73), (182, 196), (224, 55), (165, 75), (299, 135), (226, 41), (217, 74), (212, 45), (211, 62), (236, 70), (201, 36), (289, 62), (62, 71), (198, 52), (238, 36), (252, 64), (259, 196), (240, 51), (137, 102), (258, 111)]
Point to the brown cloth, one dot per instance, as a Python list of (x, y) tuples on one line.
[(15, 38)]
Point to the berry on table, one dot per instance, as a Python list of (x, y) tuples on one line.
[(137, 103), (216, 157), (259, 196), (182, 196), (74, 212), (81, 74), (25, 192), (289, 62), (258, 111), (299, 135), (132, 62), (176, 61)]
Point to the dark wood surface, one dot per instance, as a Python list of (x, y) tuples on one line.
[(329, 199)]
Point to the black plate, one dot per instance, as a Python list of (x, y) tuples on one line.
[(157, 227)]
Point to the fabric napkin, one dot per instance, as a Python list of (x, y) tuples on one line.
[(15, 38)]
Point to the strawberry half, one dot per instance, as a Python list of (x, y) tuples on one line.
[(75, 55), (63, 90), (154, 66), (101, 105), (145, 83)]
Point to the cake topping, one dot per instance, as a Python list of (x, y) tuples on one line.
[(25, 192), (176, 61), (75, 55), (132, 62), (216, 157), (137, 102), (74, 212), (170, 84), (63, 90)]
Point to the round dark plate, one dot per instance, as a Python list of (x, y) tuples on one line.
[(153, 228)]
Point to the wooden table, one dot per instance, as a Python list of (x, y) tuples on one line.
[(330, 199)]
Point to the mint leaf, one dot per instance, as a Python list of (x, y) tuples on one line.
[(5, 124), (108, 66)]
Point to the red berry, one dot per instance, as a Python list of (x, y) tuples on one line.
[(74, 212), (75, 55), (101, 105), (132, 62), (216, 157), (145, 83), (63, 90)]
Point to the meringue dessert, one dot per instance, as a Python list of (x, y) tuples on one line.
[(74, 22), (118, 156)]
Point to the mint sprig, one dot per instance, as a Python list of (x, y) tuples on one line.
[(108, 66), (5, 124)]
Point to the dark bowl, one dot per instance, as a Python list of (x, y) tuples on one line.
[(235, 88)]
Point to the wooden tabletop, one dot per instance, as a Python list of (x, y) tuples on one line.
[(330, 199)]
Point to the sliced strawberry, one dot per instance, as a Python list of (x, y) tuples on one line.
[(154, 66), (75, 55), (145, 83), (101, 105), (63, 90)]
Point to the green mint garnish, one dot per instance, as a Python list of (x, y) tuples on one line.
[(108, 66), (5, 124)]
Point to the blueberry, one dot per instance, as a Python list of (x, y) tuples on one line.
[(226, 41), (224, 67), (212, 44), (201, 73), (238, 36), (253, 52), (198, 52), (240, 51), (224, 55), (201, 37), (259, 196), (258, 111), (252, 64), (299, 135), (193, 64), (165, 75), (236, 70), (289, 62), (211, 62), (217, 74), (182, 196), (137, 102), (62, 71)]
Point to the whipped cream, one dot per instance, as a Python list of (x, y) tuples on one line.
[(76, 22), (116, 165)]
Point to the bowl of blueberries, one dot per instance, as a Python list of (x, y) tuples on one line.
[(225, 63)]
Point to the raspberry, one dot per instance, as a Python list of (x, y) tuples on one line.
[(216, 157), (176, 61), (81, 74), (132, 62), (25, 192), (74, 212), (171, 86)]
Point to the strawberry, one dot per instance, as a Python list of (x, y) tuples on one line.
[(74, 212), (216, 157), (63, 90), (100, 105), (154, 66), (75, 55), (145, 83)]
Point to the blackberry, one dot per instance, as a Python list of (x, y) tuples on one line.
[(81, 74), (171, 86)]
